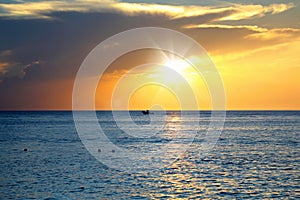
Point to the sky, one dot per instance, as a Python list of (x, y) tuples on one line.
[(255, 46)]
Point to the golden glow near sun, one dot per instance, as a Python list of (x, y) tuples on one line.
[(178, 78)]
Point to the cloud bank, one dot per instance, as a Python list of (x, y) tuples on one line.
[(43, 9)]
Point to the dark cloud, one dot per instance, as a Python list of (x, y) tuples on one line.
[(50, 52), (10, 68), (63, 44)]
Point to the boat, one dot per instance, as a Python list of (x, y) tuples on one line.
[(145, 112)]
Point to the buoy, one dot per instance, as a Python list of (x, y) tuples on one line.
[(25, 149)]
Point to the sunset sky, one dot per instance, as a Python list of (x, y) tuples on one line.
[(255, 45)]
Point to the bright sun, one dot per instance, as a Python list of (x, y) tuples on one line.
[(179, 65), (171, 66)]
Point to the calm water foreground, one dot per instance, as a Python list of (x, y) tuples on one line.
[(256, 156)]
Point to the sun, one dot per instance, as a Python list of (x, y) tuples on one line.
[(179, 65), (182, 67)]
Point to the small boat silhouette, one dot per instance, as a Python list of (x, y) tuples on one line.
[(145, 112)]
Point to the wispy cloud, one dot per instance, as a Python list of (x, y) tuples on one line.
[(257, 32), (234, 56), (250, 11), (276, 33), (222, 26), (10, 69), (43, 9)]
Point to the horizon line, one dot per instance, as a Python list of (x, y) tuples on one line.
[(70, 110)]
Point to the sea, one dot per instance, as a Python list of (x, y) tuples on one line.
[(256, 156)]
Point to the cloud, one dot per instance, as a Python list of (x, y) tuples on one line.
[(276, 33), (257, 31), (244, 40), (12, 69), (233, 56), (43, 9), (251, 11), (222, 26), (9, 69)]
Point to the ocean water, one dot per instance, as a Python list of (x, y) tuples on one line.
[(257, 156)]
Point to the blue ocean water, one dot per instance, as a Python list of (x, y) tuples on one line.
[(257, 156)]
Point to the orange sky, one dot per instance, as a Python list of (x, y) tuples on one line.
[(253, 79)]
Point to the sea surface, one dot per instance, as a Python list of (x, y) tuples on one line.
[(257, 156)]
